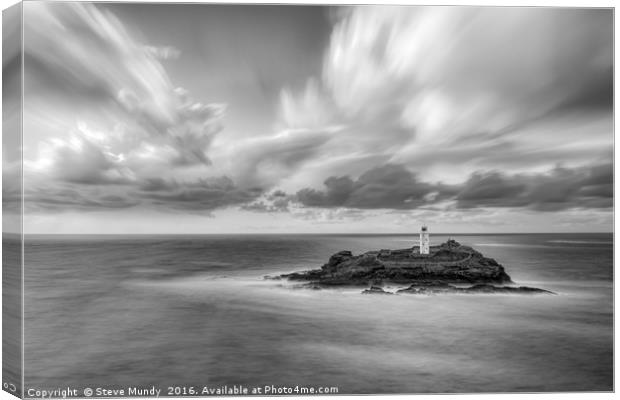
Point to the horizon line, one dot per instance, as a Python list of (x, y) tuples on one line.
[(309, 233)]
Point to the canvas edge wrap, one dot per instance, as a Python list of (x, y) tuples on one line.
[(12, 200)]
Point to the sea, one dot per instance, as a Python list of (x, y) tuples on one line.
[(195, 311)]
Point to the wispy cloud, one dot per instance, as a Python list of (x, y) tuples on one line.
[(201, 195), (164, 52), (145, 125), (445, 75), (434, 86), (415, 109)]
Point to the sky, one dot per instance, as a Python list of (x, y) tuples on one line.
[(194, 118)]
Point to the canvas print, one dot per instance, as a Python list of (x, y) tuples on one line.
[(232, 199)]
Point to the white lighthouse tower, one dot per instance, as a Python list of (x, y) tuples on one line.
[(424, 240)]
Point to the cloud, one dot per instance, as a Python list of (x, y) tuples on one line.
[(89, 51), (61, 198), (79, 54), (389, 186), (274, 202), (105, 109), (80, 160), (135, 125), (164, 52), (559, 189), (264, 161), (309, 108), (327, 216), (394, 187), (446, 75), (417, 108), (200, 195), (431, 87)]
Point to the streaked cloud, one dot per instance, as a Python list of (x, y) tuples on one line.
[(201, 195), (416, 111), (447, 76), (145, 125), (431, 86), (164, 52), (266, 160), (63, 198), (77, 53)]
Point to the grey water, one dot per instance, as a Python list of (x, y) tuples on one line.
[(118, 311)]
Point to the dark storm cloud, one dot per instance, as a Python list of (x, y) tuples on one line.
[(492, 189), (394, 187), (389, 186), (560, 189)]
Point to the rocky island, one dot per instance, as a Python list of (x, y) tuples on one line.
[(447, 268)]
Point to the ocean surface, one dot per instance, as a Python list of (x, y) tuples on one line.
[(195, 311)]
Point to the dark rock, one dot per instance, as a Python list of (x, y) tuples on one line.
[(448, 263), (376, 290), (309, 285), (505, 289), (435, 288), (303, 276), (428, 287), (339, 258), (451, 243)]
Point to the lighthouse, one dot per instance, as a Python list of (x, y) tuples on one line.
[(424, 240)]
